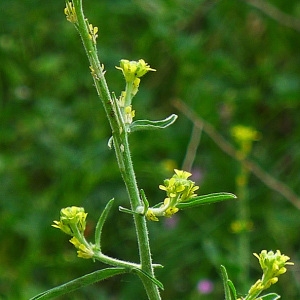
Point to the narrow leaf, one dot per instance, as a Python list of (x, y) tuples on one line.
[(145, 201), (100, 223), (232, 288), (271, 296), (154, 280), (149, 125), (206, 199), (80, 282), (227, 288), (127, 211)]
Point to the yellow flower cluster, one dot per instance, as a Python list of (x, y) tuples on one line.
[(132, 70), (73, 222), (273, 265), (71, 218), (245, 134), (70, 12), (178, 188)]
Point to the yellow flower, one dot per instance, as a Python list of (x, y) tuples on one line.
[(65, 228), (143, 68), (182, 174), (129, 114), (93, 33), (171, 211), (245, 134), (256, 287), (151, 216), (135, 86), (83, 251)]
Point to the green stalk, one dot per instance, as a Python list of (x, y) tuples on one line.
[(124, 159), (121, 146), (243, 237)]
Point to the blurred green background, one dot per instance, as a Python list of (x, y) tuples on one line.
[(228, 61)]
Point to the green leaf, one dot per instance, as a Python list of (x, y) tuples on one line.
[(80, 282), (140, 210), (271, 296), (127, 211), (232, 288), (149, 125), (229, 289), (206, 199), (100, 223), (145, 201), (154, 280)]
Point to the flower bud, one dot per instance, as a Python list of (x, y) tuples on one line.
[(133, 70)]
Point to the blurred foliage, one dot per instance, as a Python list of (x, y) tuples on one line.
[(226, 60)]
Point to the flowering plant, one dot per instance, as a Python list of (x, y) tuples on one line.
[(180, 190), (272, 265)]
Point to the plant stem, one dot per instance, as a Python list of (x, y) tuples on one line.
[(127, 171), (121, 146), (244, 218)]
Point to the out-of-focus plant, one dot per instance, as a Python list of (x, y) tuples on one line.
[(244, 137), (180, 191)]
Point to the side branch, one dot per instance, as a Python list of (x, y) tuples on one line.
[(276, 14)]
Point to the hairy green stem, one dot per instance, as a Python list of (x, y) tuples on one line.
[(121, 146)]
